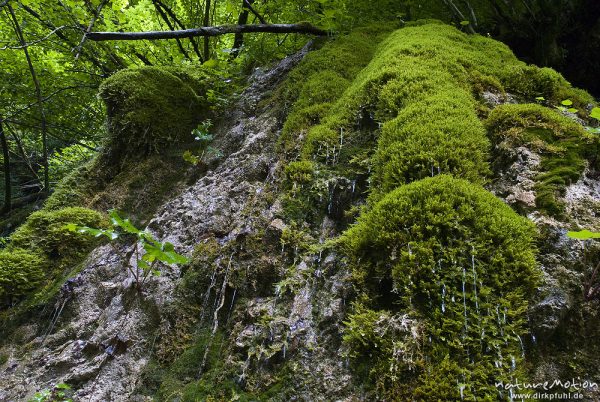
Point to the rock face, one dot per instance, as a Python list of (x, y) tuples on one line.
[(269, 309), (98, 337)]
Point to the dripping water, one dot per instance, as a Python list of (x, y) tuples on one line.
[(474, 279), (443, 298), (221, 297)]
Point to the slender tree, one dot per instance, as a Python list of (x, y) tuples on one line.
[(38, 95), (7, 179)]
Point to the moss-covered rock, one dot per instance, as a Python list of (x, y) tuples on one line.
[(563, 144), (150, 108), (46, 231), (43, 248), (20, 272), (463, 260)]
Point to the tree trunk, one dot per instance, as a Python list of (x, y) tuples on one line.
[(207, 23), (38, 94), (7, 182), (238, 41)]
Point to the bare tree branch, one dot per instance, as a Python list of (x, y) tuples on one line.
[(35, 42), (178, 22), (248, 5), (89, 28), (301, 28), (165, 18)]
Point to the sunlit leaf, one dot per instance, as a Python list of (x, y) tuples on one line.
[(584, 235)]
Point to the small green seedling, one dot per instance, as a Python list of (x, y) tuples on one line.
[(202, 135), (56, 394), (147, 250)]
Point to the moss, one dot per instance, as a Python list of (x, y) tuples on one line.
[(46, 248), (386, 349), (418, 87), (45, 231), (20, 272), (181, 380), (422, 244), (531, 82), (564, 145), (149, 108), (314, 91), (412, 110)]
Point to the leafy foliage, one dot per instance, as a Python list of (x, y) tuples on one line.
[(584, 235), (57, 394), (147, 251)]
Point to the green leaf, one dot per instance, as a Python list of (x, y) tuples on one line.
[(584, 235), (124, 224), (189, 157), (465, 23), (572, 110), (112, 235), (540, 98), (175, 258), (71, 227), (567, 102), (143, 264), (595, 113)]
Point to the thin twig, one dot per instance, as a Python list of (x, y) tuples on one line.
[(89, 28)]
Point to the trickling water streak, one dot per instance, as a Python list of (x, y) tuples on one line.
[(213, 280), (353, 186), (513, 363), (443, 297), (474, 279), (330, 203), (499, 321), (533, 338), (231, 305), (522, 346), (216, 316)]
